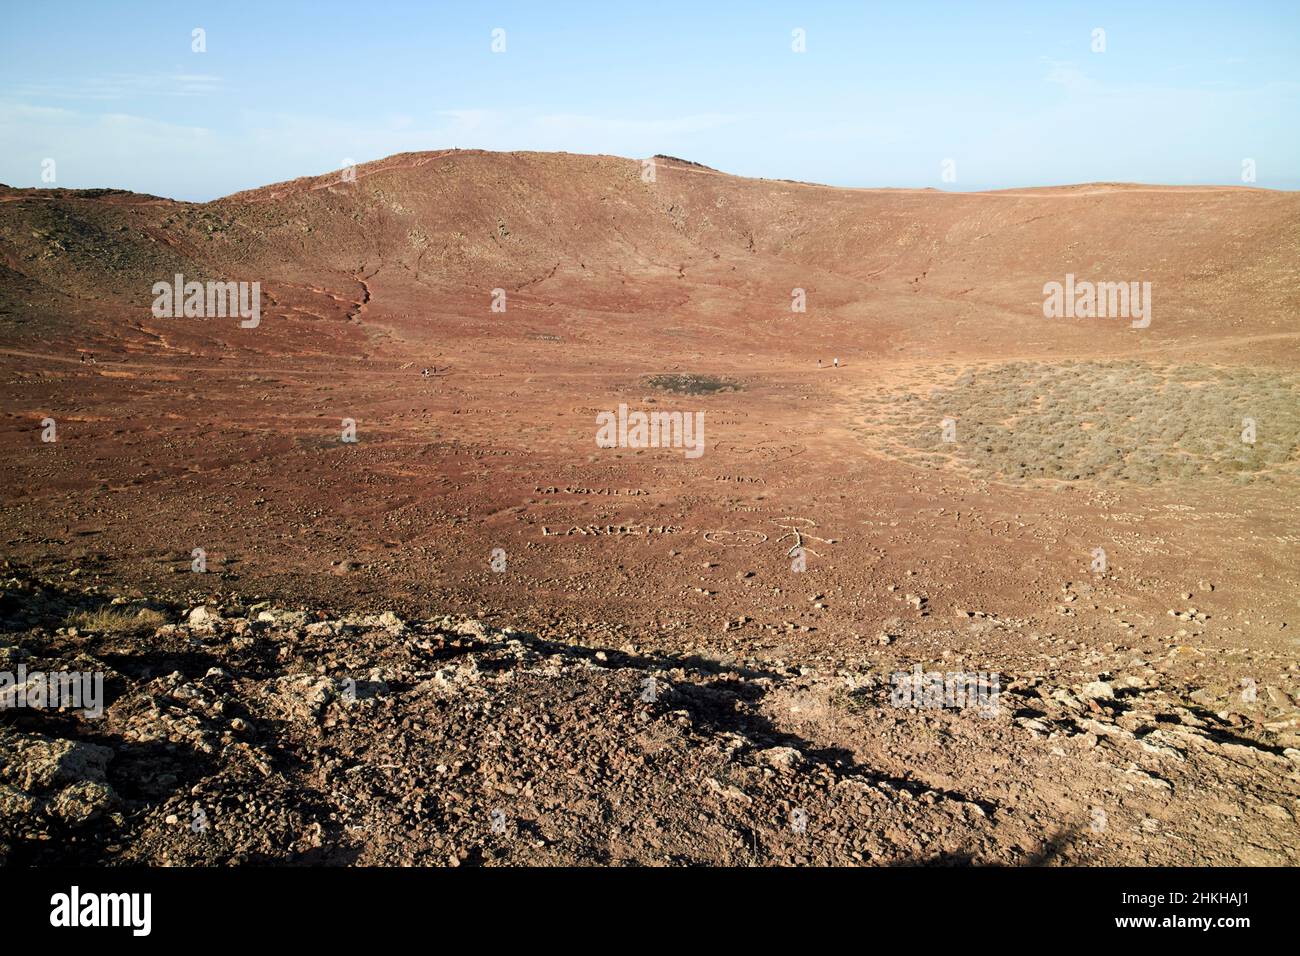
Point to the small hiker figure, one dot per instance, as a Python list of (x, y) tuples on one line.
[(837, 363), (819, 363), (424, 372)]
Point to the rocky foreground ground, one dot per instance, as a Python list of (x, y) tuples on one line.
[(249, 733)]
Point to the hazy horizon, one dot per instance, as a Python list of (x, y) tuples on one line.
[(776, 179)]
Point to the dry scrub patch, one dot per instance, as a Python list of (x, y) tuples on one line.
[(116, 620), (1116, 420), (686, 384)]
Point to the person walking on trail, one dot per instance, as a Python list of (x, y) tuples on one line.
[(837, 363)]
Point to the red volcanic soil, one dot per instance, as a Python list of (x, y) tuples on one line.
[(1156, 694)]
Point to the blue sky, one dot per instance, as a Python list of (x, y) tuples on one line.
[(885, 92)]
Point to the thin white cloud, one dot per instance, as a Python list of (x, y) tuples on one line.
[(118, 86), (1066, 74), (673, 126), (99, 149)]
